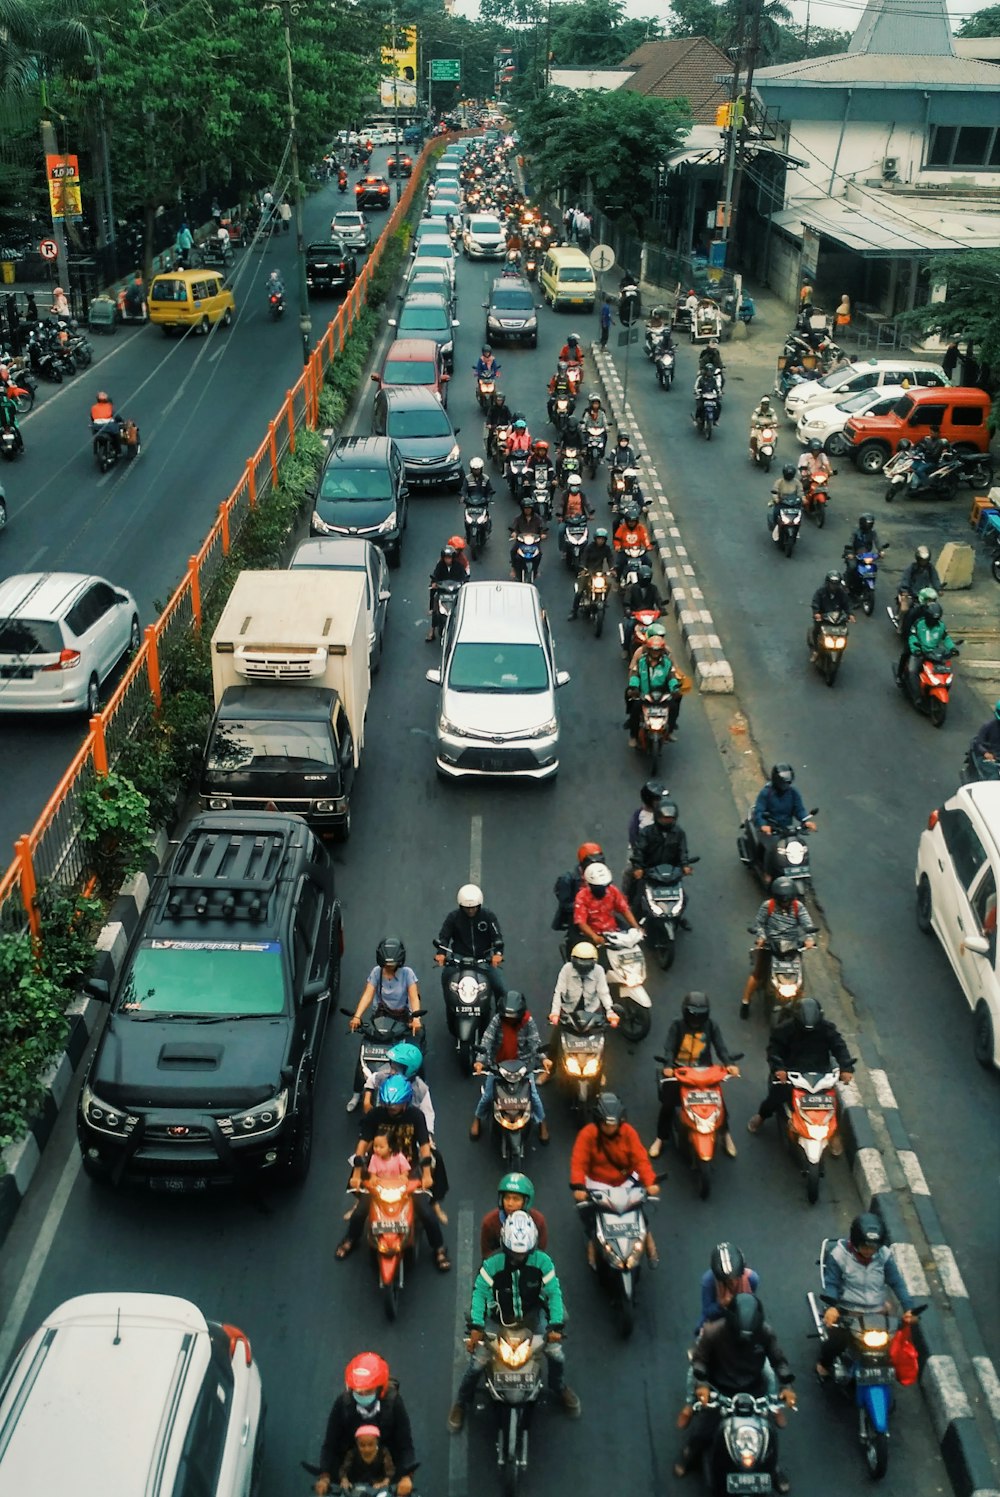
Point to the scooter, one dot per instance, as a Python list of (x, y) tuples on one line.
[(700, 1119), (478, 522), (569, 464), (620, 1231), (809, 1121), (576, 540), (390, 1234), (767, 442), (514, 1382), (527, 555), (831, 642), (485, 386), (932, 691), (787, 524), (659, 909), (445, 597), (616, 488), (654, 727), (379, 1033), (560, 410), (11, 443), (580, 1064), (785, 983), (864, 1372), (708, 414), (816, 497), (665, 362), (634, 558), (512, 1109), (641, 621), (531, 265), (593, 593), (861, 576), (276, 305), (744, 1452), (596, 442), (790, 851), (468, 1004), (904, 602), (496, 444), (515, 468), (627, 972)]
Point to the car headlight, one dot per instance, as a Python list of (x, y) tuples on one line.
[(545, 730), (258, 1120), (447, 349), (325, 807), (219, 803), (318, 523), (454, 454), (445, 725), (389, 523), (100, 1115)]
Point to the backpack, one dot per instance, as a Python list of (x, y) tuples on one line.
[(772, 905)]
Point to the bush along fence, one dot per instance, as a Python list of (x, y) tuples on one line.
[(142, 750)]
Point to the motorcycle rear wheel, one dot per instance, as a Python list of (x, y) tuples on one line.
[(24, 402), (876, 1446), (812, 1183)]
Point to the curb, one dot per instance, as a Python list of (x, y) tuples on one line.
[(22, 1159), (712, 670)]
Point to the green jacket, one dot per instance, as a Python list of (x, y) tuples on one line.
[(926, 637), (517, 1290), (646, 678)]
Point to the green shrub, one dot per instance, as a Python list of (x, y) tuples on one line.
[(116, 829)]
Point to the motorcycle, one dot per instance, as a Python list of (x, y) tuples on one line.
[(904, 602), (786, 526), (627, 972), (531, 265), (485, 385), (390, 1233), (445, 598), (943, 482), (831, 642), (478, 522), (276, 305), (640, 623), (527, 555), (660, 907), (789, 852), (707, 415), (931, 693), (468, 1004), (860, 577), (786, 983), (515, 469), (379, 1032), (815, 497), (653, 726), (767, 442), (562, 406), (18, 386), (634, 557), (577, 538), (616, 488), (744, 1452), (11, 443), (581, 1058), (978, 765), (512, 1109), (593, 591), (808, 1122), (107, 451), (342, 182), (700, 1119), (496, 444), (665, 363), (864, 1372), (514, 1382), (537, 487), (620, 1231), (569, 464), (596, 441)]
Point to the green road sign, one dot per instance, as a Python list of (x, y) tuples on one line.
[(446, 70)]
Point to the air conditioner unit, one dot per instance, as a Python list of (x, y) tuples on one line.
[(890, 168)]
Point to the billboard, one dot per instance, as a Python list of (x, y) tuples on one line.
[(63, 173), (401, 61), (393, 91)]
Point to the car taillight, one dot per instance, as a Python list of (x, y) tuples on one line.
[(66, 662), (932, 820), (236, 1337)]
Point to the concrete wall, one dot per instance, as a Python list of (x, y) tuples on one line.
[(783, 267), (861, 153)]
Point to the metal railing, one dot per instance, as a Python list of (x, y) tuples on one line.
[(53, 850)]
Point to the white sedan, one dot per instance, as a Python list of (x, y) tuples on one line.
[(827, 421), (958, 869)]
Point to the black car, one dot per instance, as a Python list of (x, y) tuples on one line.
[(362, 491), (421, 430), (511, 312), (205, 1071), (330, 266), (427, 314), (401, 164)]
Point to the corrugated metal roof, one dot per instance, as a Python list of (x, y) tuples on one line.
[(904, 28), (875, 228), (845, 69), (682, 68)]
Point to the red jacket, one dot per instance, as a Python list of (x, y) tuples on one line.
[(609, 1160), (599, 914)]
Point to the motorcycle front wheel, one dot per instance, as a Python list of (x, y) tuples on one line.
[(765, 462), (812, 1183), (511, 1469), (788, 545), (704, 1179), (876, 1446), (465, 1054), (831, 665), (665, 954), (708, 430), (820, 516), (625, 1308), (937, 711), (868, 601), (598, 620), (634, 1021), (390, 1299)]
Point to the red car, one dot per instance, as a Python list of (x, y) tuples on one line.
[(401, 165), (415, 361), (372, 192)]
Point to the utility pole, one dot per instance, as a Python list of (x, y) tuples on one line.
[(736, 53), (305, 321), (752, 51), (49, 148)]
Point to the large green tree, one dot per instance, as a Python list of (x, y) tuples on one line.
[(971, 309), (983, 23), (595, 33), (727, 23)]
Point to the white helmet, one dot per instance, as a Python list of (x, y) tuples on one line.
[(598, 874), (476, 464), (469, 897), (519, 1233), (574, 481)]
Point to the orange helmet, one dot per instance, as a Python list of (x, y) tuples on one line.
[(367, 1373), (590, 852), (541, 448), (458, 541)]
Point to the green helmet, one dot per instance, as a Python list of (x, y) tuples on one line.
[(656, 631), (516, 1184), (927, 595)]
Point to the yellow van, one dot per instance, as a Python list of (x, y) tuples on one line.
[(190, 298), (568, 279)]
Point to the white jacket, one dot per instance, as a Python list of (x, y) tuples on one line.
[(573, 992)]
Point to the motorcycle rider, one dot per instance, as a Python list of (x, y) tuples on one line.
[(609, 1151), (649, 798), (927, 454), (540, 460), (103, 420), (632, 492), (575, 502), (692, 1040), (782, 914), (710, 358), (831, 597), (864, 539), (559, 385), (572, 351), (663, 841), (396, 1115), (859, 1270), (599, 907), (519, 440), (706, 384), (927, 635), (640, 596), (450, 568), (731, 1355), (515, 1192), (594, 417), (651, 669), (804, 1041), (486, 366), (370, 1396), (568, 885), (519, 1284), (778, 804), (473, 931), (597, 557), (477, 484), (908, 622), (630, 534), (920, 573), (498, 413), (623, 455), (814, 464), (987, 741), (581, 990), (404, 1059), (392, 987), (787, 490), (511, 1034), (760, 417), (275, 285)]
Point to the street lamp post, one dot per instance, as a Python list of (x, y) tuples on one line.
[(305, 321)]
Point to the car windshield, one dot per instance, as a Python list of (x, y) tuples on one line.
[(423, 319), (419, 423), (576, 273), (434, 249), (905, 406), (343, 482), (484, 226), (513, 301), (408, 372), (205, 977), (271, 745), (29, 637), (498, 668)]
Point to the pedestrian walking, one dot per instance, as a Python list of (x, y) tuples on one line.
[(285, 212), (567, 219), (950, 362), (605, 320)]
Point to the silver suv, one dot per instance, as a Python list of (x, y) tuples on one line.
[(353, 228), (498, 678), (511, 312)]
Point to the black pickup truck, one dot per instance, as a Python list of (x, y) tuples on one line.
[(330, 266)]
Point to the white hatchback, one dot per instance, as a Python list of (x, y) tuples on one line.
[(958, 869), (184, 1393), (826, 422), (61, 636)]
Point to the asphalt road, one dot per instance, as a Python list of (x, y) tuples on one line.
[(269, 1266), (874, 767)]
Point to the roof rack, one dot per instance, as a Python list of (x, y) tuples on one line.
[(225, 875)]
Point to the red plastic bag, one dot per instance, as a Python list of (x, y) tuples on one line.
[(903, 1356)]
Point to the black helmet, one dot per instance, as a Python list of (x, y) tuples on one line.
[(486, 349), (782, 776), (867, 1231), (514, 1004), (652, 792), (665, 812), (609, 1108), (904, 444), (447, 552), (623, 438), (922, 556), (499, 398), (632, 512), (808, 1013), (934, 612), (866, 521), (834, 578), (745, 1315), (788, 471), (815, 445), (783, 890), (644, 573), (390, 951), (727, 1262), (695, 1008)]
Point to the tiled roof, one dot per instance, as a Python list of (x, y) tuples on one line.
[(681, 68)]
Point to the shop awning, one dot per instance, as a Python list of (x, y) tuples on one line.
[(898, 230)]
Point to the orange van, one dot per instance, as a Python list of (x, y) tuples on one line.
[(960, 413)]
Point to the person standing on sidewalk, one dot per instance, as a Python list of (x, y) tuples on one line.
[(285, 212), (605, 320)]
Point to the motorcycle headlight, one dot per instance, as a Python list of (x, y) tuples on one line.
[(795, 852), (102, 1116), (591, 1067), (258, 1120), (514, 1355), (873, 1340), (748, 1444), (573, 1066), (787, 989), (454, 454), (389, 523), (391, 1194)]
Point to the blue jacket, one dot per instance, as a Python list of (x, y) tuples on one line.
[(710, 1307), (781, 806), (487, 371), (862, 1286)]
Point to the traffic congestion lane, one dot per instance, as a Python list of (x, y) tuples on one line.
[(269, 1266), (874, 790), (202, 405)]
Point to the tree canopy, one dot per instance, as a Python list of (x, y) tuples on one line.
[(971, 310), (727, 24), (596, 34), (983, 23)]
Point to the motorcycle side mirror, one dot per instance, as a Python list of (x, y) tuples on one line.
[(738, 1056), (814, 810), (374, 379)]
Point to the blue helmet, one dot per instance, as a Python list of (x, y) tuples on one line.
[(395, 1091), (407, 1057)]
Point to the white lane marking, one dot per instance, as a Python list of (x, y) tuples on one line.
[(869, 1173), (10, 1332), (951, 1277), (458, 1449), (476, 850), (883, 1090), (914, 1174)]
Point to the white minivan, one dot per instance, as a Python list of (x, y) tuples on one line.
[(861, 376)]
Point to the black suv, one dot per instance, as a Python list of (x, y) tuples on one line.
[(205, 1071), (362, 491), (330, 266)]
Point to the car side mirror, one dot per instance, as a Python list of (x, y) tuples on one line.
[(384, 596), (99, 988), (455, 322), (375, 379), (485, 306), (433, 676), (562, 678), (392, 322), (315, 989), (977, 944), (457, 429), (445, 378)]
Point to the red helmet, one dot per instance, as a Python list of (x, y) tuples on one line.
[(367, 1373), (589, 852), (541, 447), (458, 541)]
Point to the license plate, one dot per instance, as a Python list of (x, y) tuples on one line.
[(178, 1184), (874, 1374), (515, 1379), (494, 763), (748, 1481), (16, 673)]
